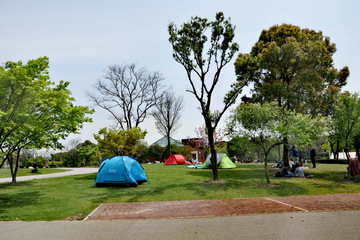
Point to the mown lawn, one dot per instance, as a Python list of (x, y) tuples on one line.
[(58, 198), (5, 173)]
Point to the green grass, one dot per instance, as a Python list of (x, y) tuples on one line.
[(5, 173), (58, 198)]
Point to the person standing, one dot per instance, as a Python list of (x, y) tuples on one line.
[(312, 156), (295, 154)]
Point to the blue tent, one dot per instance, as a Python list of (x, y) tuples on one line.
[(120, 171)]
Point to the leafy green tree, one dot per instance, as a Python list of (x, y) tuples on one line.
[(189, 44), (346, 119), (119, 142), (222, 148), (238, 146), (167, 115), (293, 67), (85, 151), (141, 151), (33, 112), (156, 151), (266, 125)]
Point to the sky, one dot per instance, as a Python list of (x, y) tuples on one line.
[(83, 37)]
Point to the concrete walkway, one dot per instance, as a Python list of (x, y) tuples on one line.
[(299, 225), (70, 172)]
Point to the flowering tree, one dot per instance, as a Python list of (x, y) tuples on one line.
[(203, 139)]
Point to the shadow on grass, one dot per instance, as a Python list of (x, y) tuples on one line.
[(18, 200), (6, 185)]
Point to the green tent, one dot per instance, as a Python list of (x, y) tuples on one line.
[(223, 161)]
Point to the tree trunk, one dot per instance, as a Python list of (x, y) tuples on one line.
[(349, 165), (266, 168), (10, 161), (169, 146), (337, 151), (16, 167), (301, 156), (2, 163), (214, 166), (336, 156), (285, 153), (357, 148)]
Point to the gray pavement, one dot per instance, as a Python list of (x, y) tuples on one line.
[(309, 225), (70, 172)]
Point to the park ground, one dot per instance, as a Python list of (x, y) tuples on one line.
[(75, 197)]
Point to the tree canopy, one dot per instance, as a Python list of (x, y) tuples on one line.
[(127, 93), (293, 67), (33, 112), (119, 142)]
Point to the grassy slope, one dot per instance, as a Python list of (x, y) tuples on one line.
[(55, 199)]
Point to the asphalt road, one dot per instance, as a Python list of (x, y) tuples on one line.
[(72, 171), (310, 225)]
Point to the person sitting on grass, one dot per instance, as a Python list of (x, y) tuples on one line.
[(296, 171), (299, 171), (282, 173)]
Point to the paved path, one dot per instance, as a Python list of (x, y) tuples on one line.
[(225, 207), (70, 172), (300, 225)]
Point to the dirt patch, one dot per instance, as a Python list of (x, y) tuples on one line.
[(78, 217), (270, 185), (211, 181)]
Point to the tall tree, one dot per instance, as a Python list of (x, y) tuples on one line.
[(167, 115), (188, 49), (127, 93), (293, 67), (33, 112)]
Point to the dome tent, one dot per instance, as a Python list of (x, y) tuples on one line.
[(120, 171), (223, 161), (177, 159)]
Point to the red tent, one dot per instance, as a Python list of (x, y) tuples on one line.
[(176, 160)]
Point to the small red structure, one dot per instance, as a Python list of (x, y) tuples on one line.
[(176, 160)]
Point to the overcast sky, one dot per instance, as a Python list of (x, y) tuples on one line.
[(83, 37)]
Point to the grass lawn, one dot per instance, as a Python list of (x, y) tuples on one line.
[(5, 173), (58, 198)]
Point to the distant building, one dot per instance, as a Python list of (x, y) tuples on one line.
[(163, 142), (198, 154)]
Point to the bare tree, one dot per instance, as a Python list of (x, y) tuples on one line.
[(167, 115), (127, 93), (71, 146)]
